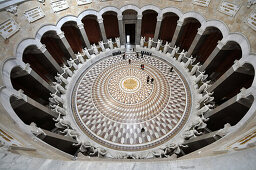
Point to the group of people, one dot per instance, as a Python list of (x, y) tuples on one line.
[(148, 80), (117, 53), (145, 53)]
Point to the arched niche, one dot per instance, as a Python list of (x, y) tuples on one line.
[(92, 28), (111, 24), (168, 26), (148, 25)]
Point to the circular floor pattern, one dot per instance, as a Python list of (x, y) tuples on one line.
[(123, 107)]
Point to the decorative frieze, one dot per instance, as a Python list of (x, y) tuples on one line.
[(228, 8), (251, 20), (12, 9), (83, 2), (204, 3), (34, 14), (8, 28), (59, 5)]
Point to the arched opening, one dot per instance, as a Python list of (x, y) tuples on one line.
[(206, 44), (231, 114), (29, 113), (111, 24), (74, 36), (187, 33), (231, 86), (168, 26), (92, 28), (148, 26), (129, 20), (55, 47), (39, 63), (223, 60), (22, 80)]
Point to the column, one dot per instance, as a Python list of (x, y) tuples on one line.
[(84, 35), (195, 41), (176, 33), (39, 79), (102, 29), (50, 58), (66, 44), (121, 29), (212, 55), (138, 29), (158, 26)]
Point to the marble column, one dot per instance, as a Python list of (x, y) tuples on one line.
[(158, 26), (195, 41), (176, 33), (102, 29), (39, 79), (138, 29), (121, 29), (84, 35), (212, 55), (66, 44), (50, 58)]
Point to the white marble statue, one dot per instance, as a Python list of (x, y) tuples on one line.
[(62, 123), (201, 77), (102, 46), (206, 97), (110, 44), (191, 133), (199, 123), (142, 41), (176, 147), (60, 78), (195, 68), (56, 108), (150, 41), (57, 98), (71, 133), (166, 46), (204, 87), (59, 88), (36, 130), (118, 42), (71, 62), (99, 152), (86, 52), (181, 55), (95, 49), (80, 58), (67, 70), (189, 61), (174, 51), (223, 132), (159, 43), (159, 153), (204, 109)]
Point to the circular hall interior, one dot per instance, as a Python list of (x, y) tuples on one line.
[(138, 84)]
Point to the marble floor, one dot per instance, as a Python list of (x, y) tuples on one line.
[(124, 107)]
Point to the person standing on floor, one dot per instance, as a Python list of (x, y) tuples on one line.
[(129, 61)]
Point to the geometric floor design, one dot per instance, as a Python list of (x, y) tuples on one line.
[(116, 107)]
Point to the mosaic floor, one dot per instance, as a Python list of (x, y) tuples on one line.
[(124, 107)]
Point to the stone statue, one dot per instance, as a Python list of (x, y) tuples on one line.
[(58, 109), (181, 55), (195, 68), (166, 46), (189, 61), (36, 130), (204, 109), (150, 40), (174, 51), (159, 153), (95, 49), (71, 63), (223, 132), (204, 87), (110, 44), (199, 122), (59, 88), (201, 77), (176, 147), (67, 70), (71, 133), (250, 3), (86, 52), (102, 46), (142, 41), (191, 133), (60, 78), (159, 43), (206, 97), (118, 42), (62, 123), (80, 58), (57, 98), (99, 152)]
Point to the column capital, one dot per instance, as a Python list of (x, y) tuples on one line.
[(139, 16), (80, 25), (159, 18), (100, 20), (120, 17), (200, 31), (60, 34), (179, 23), (42, 48), (220, 44)]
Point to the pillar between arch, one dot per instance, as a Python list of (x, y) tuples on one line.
[(138, 29), (121, 29), (176, 33), (66, 44), (195, 41), (84, 35), (102, 29), (158, 26)]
